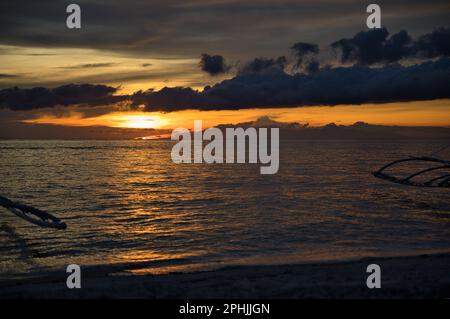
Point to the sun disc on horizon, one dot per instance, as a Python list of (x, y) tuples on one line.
[(138, 121)]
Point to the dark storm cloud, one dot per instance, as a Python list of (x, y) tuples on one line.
[(351, 85), (272, 88), (213, 64), (263, 65), (71, 94), (434, 44), (170, 99), (305, 52), (376, 46)]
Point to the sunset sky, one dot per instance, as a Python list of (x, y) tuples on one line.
[(121, 68)]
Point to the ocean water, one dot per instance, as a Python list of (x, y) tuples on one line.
[(126, 203)]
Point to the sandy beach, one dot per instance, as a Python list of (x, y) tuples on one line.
[(424, 276)]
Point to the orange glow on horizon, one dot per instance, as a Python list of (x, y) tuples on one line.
[(139, 120), (418, 113)]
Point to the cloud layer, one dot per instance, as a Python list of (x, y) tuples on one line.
[(343, 85), (71, 94), (189, 27), (376, 46), (273, 88), (213, 64)]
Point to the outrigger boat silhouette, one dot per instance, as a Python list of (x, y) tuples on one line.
[(32, 215), (438, 175)]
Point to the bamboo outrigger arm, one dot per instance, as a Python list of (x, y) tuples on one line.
[(32, 215), (442, 180)]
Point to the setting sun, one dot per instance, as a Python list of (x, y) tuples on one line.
[(137, 121)]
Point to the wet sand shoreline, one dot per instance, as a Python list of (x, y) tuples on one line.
[(424, 276)]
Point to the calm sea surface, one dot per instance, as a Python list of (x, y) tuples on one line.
[(126, 202)]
